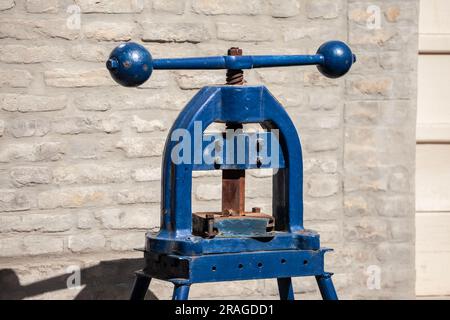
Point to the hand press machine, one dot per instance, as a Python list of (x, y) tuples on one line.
[(233, 244)]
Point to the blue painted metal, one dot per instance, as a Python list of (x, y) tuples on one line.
[(181, 292), (193, 245), (238, 62), (337, 59), (326, 286), (243, 158), (131, 64), (181, 269), (285, 288), (249, 104), (174, 253)]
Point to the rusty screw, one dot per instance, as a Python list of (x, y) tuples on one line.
[(235, 77)]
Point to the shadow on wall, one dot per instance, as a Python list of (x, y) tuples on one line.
[(111, 279)]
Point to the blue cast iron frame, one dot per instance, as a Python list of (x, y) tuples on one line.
[(174, 254)]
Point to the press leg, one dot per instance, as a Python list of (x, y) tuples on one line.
[(326, 287), (140, 286), (285, 289), (180, 292)]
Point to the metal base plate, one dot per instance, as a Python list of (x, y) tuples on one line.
[(235, 266), (216, 224), (168, 243)]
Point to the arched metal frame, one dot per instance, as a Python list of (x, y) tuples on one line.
[(175, 255), (242, 104)]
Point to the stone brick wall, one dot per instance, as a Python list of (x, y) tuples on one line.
[(80, 156)]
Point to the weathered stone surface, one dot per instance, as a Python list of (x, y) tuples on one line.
[(110, 6), (74, 198), (367, 179), (394, 60), (298, 33), (91, 124), (62, 78), (31, 103), (28, 128), (208, 192), (198, 79), (284, 8), (317, 101), (11, 247), (90, 174), (171, 6), (31, 29), (107, 31), (393, 12), (362, 112), (230, 7), (175, 32), (118, 218), (388, 37), (46, 151), (257, 173), (12, 200), (29, 176), (157, 101), (141, 147), (142, 125), (325, 140), (396, 206), (42, 6), (138, 195), (399, 179), (328, 121), (387, 252), (6, 4), (86, 242), (86, 220), (326, 209), (244, 32), (15, 78), (38, 222), (325, 165), (278, 76), (357, 205), (314, 78), (330, 232), (375, 87), (2, 127), (146, 174), (37, 244), (326, 9), (128, 241), (366, 229), (403, 230), (321, 185), (89, 52)]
